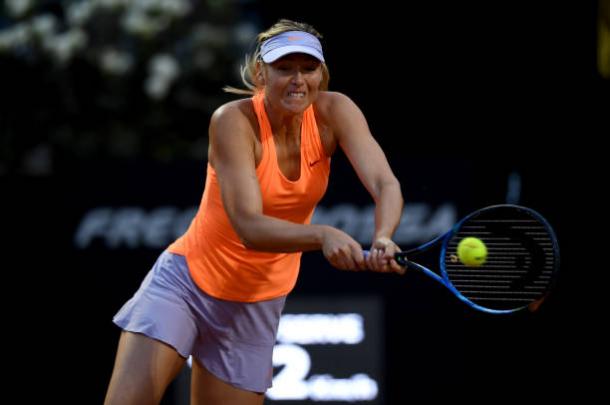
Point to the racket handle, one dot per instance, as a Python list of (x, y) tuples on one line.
[(400, 257)]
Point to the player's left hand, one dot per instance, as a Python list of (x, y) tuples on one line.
[(381, 257)]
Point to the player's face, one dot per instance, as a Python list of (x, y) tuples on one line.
[(293, 81)]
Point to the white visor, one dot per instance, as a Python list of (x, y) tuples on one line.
[(291, 42)]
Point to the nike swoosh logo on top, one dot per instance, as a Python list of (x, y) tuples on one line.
[(314, 162)]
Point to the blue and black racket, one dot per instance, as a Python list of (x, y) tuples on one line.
[(518, 271)]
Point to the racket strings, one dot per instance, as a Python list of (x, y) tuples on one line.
[(519, 265)]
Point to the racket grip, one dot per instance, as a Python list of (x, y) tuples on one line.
[(400, 257)]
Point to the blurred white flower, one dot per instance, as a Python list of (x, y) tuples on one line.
[(80, 12), (139, 23), (164, 65), (44, 25), (244, 33), (177, 8), (147, 18), (18, 8), (15, 36), (156, 88), (115, 62), (62, 47), (163, 70), (113, 4), (205, 34), (171, 8)]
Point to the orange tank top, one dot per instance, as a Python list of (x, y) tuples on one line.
[(218, 262)]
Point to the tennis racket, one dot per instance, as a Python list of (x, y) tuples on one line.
[(521, 264)]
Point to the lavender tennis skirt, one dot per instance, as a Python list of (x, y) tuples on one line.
[(233, 340)]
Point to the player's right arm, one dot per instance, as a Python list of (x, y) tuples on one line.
[(232, 154)]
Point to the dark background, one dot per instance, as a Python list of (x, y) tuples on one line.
[(458, 96)]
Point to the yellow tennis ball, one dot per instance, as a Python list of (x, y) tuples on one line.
[(472, 251)]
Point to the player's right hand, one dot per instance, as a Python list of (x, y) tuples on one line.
[(342, 251)]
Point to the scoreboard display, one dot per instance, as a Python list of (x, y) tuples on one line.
[(329, 349)]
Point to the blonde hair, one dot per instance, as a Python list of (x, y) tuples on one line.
[(253, 61)]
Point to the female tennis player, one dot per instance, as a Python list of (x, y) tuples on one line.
[(218, 291)]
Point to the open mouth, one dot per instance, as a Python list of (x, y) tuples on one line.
[(296, 94)]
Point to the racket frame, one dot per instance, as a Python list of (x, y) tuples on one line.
[(443, 278)]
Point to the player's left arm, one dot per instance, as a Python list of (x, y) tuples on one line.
[(371, 165)]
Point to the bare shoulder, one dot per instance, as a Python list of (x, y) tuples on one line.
[(329, 124), (328, 101), (344, 118), (232, 130), (234, 114), (331, 105)]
